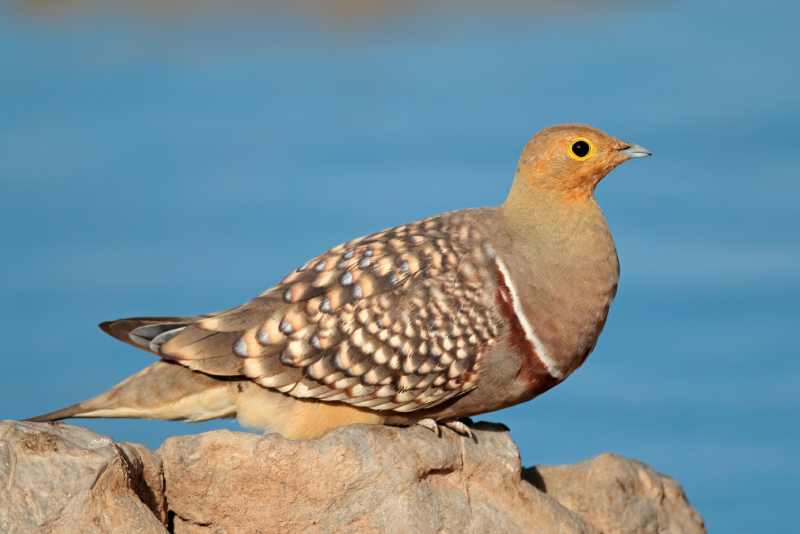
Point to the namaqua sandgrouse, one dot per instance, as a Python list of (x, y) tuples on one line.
[(456, 315)]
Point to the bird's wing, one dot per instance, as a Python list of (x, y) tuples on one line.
[(396, 320)]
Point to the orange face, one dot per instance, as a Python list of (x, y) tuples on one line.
[(572, 159)]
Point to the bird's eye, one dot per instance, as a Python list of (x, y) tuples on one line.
[(580, 150)]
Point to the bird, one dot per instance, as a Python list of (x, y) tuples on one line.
[(427, 323)]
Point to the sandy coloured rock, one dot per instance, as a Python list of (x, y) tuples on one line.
[(627, 496), (60, 478), (56, 478)]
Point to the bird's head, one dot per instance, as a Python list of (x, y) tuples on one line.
[(569, 160)]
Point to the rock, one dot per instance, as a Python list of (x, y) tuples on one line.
[(58, 478), (357, 479), (626, 496)]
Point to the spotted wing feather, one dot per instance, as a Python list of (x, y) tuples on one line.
[(396, 320)]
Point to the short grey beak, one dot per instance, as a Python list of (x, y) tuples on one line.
[(636, 151)]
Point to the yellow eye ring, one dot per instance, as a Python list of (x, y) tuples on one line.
[(580, 149)]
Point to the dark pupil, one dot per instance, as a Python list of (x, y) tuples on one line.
[(580, 148)]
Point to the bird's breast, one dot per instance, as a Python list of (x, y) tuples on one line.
[(555, 312)]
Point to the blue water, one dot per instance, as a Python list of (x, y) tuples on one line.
[(156, 164)]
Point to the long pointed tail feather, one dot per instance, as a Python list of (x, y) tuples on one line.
[(162, 390), (57, 415)]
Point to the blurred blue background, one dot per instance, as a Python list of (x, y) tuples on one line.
[(171, 162)]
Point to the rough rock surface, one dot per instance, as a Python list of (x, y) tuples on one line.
[(626, 496), (60, 478)]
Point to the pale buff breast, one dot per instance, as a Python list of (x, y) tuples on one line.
[(557, 281)]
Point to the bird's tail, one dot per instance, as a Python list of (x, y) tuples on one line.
[(162, 390), (147, 333)]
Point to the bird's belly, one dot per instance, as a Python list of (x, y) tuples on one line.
[(264, 409)]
